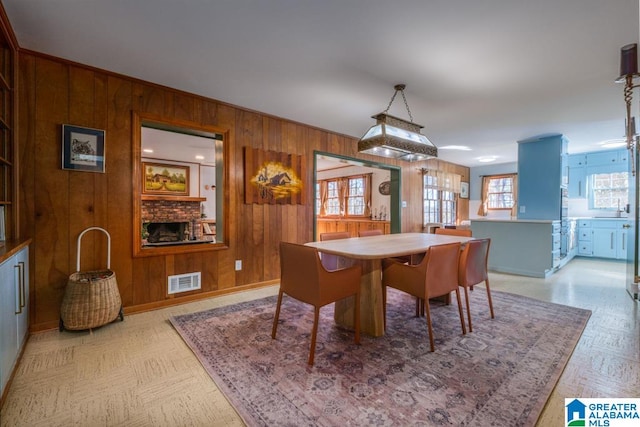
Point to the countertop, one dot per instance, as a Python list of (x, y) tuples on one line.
[(548, 221), (515, 220), (8, 248)]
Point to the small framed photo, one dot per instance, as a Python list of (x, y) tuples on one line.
[(464, 190), (82, 149), (170, 180)]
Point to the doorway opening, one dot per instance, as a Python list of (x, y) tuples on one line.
[(384, 202)]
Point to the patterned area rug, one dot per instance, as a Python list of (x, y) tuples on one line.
[(500, 374)]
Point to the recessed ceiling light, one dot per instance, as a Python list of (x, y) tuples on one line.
[(487, 159), (455, 147), (199, 157), (148, 150)]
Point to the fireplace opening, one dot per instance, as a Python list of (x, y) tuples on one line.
[(167, 232)]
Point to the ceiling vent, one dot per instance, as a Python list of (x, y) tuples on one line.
[(184, 282)]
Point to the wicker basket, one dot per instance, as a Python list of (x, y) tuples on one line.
[(91, 298)]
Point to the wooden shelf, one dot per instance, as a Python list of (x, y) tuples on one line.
[(155, 198)]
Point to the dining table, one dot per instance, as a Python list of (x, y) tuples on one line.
[(369, 252)]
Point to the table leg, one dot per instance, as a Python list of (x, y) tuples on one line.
[(371, 314)]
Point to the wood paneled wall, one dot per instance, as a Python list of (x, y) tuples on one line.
[(56, 205)]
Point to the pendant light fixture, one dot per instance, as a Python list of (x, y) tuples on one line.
[(628, 72), (397, 138)]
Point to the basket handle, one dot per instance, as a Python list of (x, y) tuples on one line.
[(108, 246)]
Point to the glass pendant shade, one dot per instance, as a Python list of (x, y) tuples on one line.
[(396, 138)]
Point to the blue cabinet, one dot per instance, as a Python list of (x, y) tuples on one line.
[(14, 307), (542, 174), (603, 238), (577, 182), (608, 161)]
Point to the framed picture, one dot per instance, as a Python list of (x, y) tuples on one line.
[(82, 149), (170, 180), (464, 190)]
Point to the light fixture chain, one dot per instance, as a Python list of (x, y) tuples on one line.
[(399, 88), (406, 104), (391, 102)]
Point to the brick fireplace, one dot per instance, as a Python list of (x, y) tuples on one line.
[(167, 221)]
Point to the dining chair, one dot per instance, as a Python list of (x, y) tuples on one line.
[(330, 261), (473, 270), (464, 232), (435, 276), (365, 233), (303, 277)]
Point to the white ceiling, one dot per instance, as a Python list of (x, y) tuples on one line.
[(482, 74)]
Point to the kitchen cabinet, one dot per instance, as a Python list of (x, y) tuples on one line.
[(585, 246), (535, 252), (542, 174), (609, 161), (604, 242), (577, 176), (14, 315), (622, 235), (603, 238)]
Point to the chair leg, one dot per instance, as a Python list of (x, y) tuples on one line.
[(417, 307), (384, 308), (464, 328), (277, 316), (314, 333), (356, 318), (429, 327), (466, 299), (486, 281)]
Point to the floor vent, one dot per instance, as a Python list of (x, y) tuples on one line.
[(184, 282)]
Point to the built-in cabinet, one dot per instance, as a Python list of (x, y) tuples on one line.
[(577, 185), (8, 156), (542, 175), (354, 227), (14, 311), (584, 164), (603, 238), (534, 252)]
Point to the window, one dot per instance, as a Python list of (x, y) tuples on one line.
[(355, 197), (439, 206), (333, 199), (609, 190), (345, 196), (500, 192)]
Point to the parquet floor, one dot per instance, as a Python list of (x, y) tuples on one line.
[(140, 373)]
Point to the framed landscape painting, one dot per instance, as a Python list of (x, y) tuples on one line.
[(166, 179)]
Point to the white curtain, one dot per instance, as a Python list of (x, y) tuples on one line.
[(445, 181)]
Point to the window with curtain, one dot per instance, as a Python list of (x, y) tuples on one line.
[(439, 197), (609, 191), (345, 196), (499, 192)]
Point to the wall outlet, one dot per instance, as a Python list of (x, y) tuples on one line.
[(522, 209), (404, 203), (238, 264)]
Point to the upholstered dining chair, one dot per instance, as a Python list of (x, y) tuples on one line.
[(473, 270), (303, 277), (464, 232), (435, 276), (365, 233), (330, 261)]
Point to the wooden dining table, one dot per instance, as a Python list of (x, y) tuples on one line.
[(369, 252)]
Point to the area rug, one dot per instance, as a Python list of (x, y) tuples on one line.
[(500, 374)]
